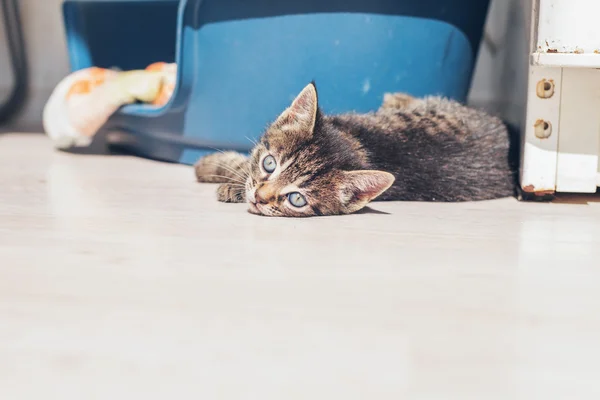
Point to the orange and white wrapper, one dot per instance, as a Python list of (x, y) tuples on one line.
[(83, 101)]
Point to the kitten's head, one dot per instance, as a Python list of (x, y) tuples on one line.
[(304, 165)]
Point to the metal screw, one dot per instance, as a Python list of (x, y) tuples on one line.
[(542, 129), (545, 88)]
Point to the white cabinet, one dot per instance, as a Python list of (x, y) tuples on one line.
[(562, 129)]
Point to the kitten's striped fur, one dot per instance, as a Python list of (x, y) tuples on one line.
[(430, 149)]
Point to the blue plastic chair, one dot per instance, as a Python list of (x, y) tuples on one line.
[(242, 61)]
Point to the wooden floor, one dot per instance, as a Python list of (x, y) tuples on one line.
[(122, 278)]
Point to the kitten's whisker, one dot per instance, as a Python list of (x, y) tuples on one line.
[(225, 165), (228, 178), (229, 169), (254, 142), (246, 169), (233, 170), (215, 149)]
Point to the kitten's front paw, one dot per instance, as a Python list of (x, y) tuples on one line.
[(221, 167), (206, 169), (231, 193)]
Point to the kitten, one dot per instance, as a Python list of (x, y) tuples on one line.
[(307, 163)]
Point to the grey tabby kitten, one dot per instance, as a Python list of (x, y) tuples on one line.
[(307, 163)]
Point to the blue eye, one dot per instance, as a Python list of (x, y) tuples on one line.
[(269, 164), (296, 199)]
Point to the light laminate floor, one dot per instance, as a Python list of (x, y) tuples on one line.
[(121, 278)]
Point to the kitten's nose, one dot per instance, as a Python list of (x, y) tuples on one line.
[(263, 195)]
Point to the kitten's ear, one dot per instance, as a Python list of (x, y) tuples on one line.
[(360, 187), (302, 114)]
